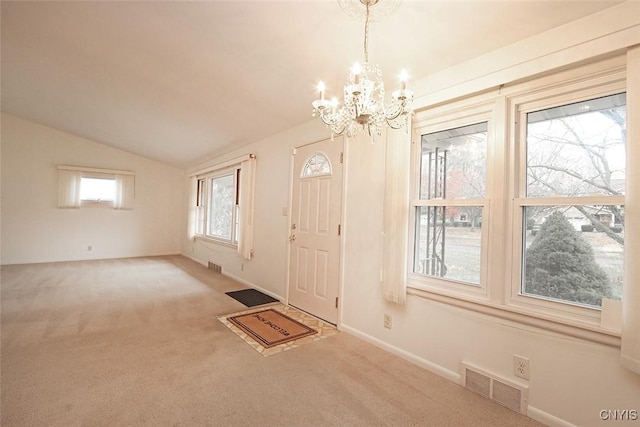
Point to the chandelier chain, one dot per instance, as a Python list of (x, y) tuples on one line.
[(366, 36)]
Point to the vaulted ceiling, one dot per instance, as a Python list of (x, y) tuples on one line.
[(182, 81)]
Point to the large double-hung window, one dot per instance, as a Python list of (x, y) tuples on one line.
[(518, 199), (569, 207), (449, 202)]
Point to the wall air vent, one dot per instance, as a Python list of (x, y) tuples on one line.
[(506, 393), (478, 383), (215, 267)]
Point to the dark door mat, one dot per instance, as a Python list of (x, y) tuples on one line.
[(251, 297)]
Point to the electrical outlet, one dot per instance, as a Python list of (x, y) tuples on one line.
[(387, 321), (89, 248), (521, 367)]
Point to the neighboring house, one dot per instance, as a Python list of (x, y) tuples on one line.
[(579, 221)]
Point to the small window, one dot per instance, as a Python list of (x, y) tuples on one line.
[(79, 187), (97, 189), (318, 164)]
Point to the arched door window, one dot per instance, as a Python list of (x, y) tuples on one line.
[(317, 164)]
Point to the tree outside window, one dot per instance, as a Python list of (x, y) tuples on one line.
[(575, 161)]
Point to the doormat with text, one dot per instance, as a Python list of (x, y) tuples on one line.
[(324, 329), (271, 327)]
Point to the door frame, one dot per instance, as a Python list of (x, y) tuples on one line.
[(292, 175)]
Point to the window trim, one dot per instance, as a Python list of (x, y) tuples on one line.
[(246, 189), (69, 187), (522, 316), (441, 119), (598, 78), (521, 106)]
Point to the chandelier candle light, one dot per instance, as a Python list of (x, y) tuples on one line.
[(364, 107)]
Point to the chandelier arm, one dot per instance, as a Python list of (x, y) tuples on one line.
[(338, 132), (392, 124), (328, 120), (336, 129), (393, 117), (332, 122), (401, 111)]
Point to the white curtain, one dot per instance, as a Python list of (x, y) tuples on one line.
[(125, 192), (396, 216), (193, 195), (69, 188), (631, 296), (247, 184)]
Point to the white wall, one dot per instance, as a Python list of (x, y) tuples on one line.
[(34, 230), (572, 380)]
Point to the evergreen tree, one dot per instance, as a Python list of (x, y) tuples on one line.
[(560, 264)]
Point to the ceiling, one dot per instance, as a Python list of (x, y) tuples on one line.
[(179, 82)]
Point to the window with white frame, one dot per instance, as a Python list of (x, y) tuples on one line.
[(521, 208), (571, 184), (448, 205), (83, 186), (222, 204), (218, 205)]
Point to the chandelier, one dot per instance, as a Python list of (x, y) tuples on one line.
[(364, 104)]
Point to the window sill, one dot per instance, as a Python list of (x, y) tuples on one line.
[(568, 327), (96, 204), (205, 239)]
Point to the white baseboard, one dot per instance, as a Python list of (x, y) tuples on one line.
[(240, 280), (546, 418), (193, 259), (424, 363), (456, 377)]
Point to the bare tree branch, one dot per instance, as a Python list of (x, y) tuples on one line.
[(578, 176), (600, 226)]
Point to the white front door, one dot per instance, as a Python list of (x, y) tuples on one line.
[(314, 260)]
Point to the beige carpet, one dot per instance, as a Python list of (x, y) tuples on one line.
[(137, 342)]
